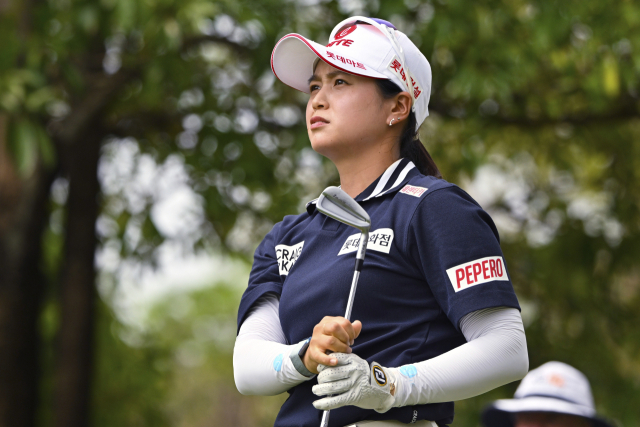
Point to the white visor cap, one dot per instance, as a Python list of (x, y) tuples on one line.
[(369, 48), (553, 387)]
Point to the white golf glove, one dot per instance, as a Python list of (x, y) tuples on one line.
[(353, 382)]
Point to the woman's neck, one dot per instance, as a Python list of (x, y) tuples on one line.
[(358, 172)]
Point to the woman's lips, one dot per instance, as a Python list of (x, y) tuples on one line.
[(317, 121)]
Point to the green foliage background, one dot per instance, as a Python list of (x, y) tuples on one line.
[(534, 107)]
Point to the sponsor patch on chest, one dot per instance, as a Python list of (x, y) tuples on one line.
[(287, 256), (477, 272), (379, 240), (413, 191)]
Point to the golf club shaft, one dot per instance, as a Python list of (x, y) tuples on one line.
[(362, 248)]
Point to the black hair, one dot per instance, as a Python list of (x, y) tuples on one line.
[(410, 144)]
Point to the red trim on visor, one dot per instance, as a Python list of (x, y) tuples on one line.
[(273, 53), (299, 37)]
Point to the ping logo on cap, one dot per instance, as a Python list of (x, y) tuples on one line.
[(345, 32), (379, 376), (556, 380)]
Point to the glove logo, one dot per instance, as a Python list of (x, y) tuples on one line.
[(379, 376)]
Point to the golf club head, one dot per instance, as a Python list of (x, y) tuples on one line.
[(335, 203)]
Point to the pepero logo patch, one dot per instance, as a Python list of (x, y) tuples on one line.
[(477, 272), (287, 257), (379, 240)]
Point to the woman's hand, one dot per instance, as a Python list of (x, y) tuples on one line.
[(355, 382), (332, 334)]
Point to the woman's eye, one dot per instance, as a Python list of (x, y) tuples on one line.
[(340, 82), (314, 87)]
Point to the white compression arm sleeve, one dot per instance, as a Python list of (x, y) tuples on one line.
[(261, 363), (495, 354)]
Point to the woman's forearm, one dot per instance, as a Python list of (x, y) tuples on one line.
[(261, 363), (495, 354)]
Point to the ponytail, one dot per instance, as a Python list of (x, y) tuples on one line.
[(410, 145)]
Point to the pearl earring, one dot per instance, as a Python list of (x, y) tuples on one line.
[(391, 122)]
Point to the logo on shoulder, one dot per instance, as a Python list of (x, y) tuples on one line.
[(379, 376), (477, 272), (413, 191), (287, 257), (379, 240)]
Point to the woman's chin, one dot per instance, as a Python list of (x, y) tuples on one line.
[(324, 146), (335, 149)]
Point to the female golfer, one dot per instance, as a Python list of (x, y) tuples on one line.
[(438, 319)]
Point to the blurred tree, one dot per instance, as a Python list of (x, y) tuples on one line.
[(176, 368), (200, 335), (73, 74), (534, 110)]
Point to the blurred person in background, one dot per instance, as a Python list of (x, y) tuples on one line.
[(553, 395), (439, 320)]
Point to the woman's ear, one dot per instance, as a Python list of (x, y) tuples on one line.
[(402, 106)]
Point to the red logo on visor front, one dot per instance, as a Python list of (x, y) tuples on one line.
[(345, 32)]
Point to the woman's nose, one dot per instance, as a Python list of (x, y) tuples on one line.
[(319, 101)]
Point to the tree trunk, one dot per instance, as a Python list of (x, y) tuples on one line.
[(23, 215), (77, 300)]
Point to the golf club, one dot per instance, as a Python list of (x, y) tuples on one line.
[(337, 204)]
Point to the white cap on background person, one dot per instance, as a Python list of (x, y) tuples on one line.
[(362, 46), (554, 387)]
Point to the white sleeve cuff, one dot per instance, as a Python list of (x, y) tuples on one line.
[(261, 362), (297, 361), (495, 354)]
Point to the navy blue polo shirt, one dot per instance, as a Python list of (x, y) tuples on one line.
[(433, 256)]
